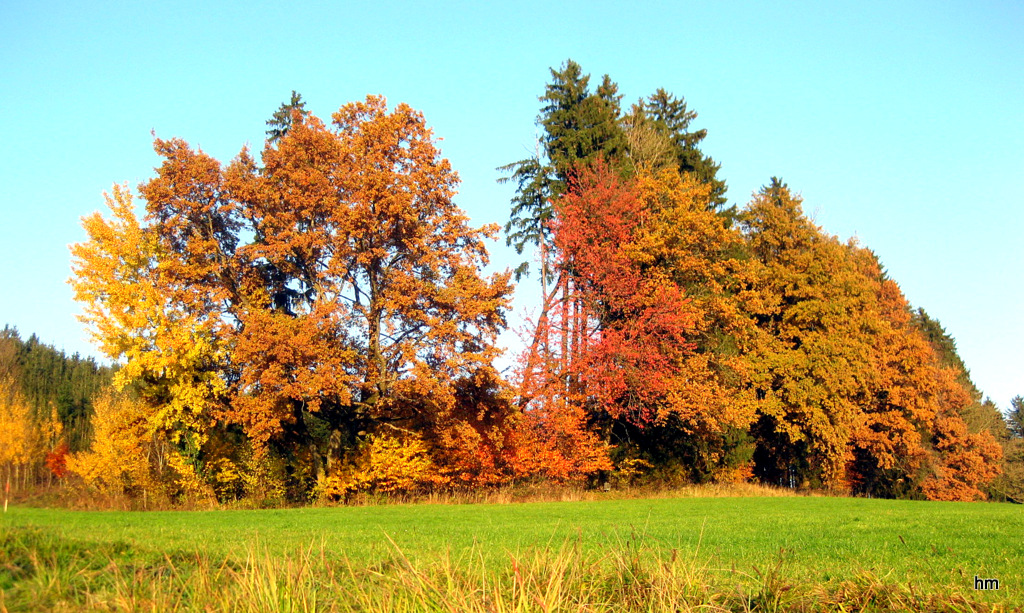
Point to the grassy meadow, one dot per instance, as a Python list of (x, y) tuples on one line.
[(707, 553)]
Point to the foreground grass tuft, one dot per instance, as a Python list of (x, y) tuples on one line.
[(41, 571)]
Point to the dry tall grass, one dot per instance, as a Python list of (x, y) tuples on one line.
[(75, 496), (549, 492)]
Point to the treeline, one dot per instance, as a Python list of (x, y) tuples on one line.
[(711, 343), (315, 324), (45, 406)]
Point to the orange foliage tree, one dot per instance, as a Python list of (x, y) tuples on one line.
[(813, 368), (711, 403), (332, 294), (965, 461), (853, 396), (907, 389)]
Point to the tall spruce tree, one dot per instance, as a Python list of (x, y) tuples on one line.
[(281, 120), (579, 126), (1015, 417), (672, 118)]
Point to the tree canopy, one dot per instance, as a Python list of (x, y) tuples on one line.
[(324, 301), (314, 322)]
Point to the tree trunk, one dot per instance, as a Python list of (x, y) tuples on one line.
[(333, 450), (564, 370)]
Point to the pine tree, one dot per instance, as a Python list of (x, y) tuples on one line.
[(1015, 417), (281, 121), (672, 118), (579, 126)]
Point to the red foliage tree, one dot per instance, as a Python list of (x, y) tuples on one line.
[(630, 321), (57, 460), (613, 344)]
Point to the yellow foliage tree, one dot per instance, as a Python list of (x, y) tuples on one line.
[(129, 457), (124, 455), (167, 348), (813, 365), (17, 433)]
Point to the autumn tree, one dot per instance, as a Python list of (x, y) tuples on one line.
[(907, 389), (683, 240), (27, 435), (654, 268), (811, 367), (913, 438), (581, 127), (124, 457), (980, 413), (966, 461), (17, 433), (618, 354), (580, 360), (330, 294), (16, 429), (371, 278), (149, 312)]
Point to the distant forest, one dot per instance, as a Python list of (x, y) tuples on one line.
[(316, 324), (45, 402)]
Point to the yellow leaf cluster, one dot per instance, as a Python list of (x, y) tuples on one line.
[(123, 456), (385, 463)]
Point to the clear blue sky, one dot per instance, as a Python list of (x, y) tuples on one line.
[(901, 123)]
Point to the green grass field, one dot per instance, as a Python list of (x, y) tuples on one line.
[(932, 546)]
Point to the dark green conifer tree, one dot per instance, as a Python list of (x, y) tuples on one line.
[(281, 120), (50, 379), (1015, 417), (672, 118), (579, 126)]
